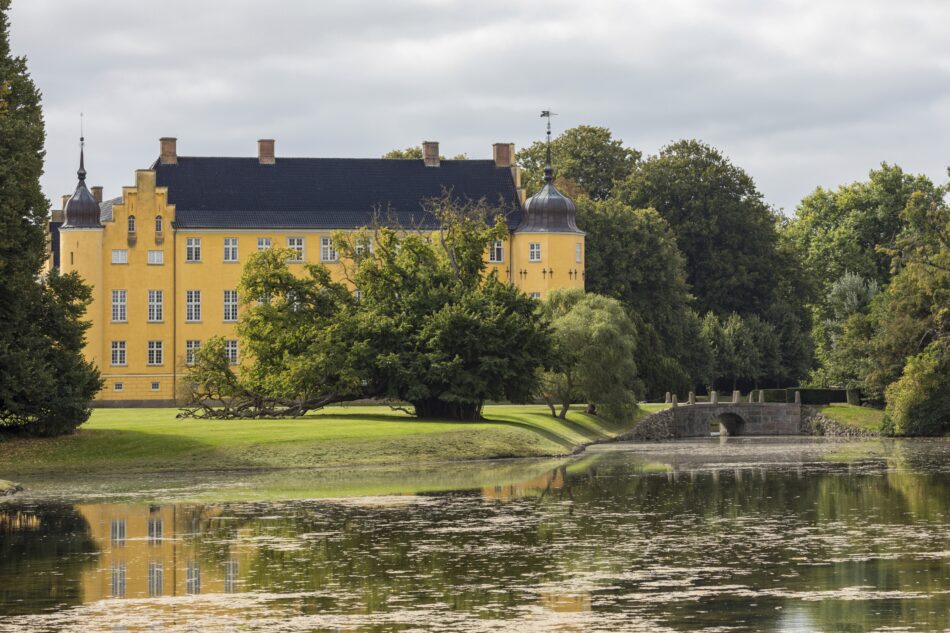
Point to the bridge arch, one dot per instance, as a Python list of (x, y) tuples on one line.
[(730, 424)]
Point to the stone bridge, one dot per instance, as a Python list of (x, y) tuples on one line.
[(734, 418)]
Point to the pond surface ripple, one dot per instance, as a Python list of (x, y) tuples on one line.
[(719, 535)]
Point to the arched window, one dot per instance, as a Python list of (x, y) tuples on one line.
[(158, 224), (131, 224)]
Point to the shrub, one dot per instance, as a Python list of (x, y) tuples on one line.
[(919, 402)]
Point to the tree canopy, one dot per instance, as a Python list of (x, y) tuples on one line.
[(587, 161), (47, 384), (594, 347)]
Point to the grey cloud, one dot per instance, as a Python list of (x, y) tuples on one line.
[(798, 93)]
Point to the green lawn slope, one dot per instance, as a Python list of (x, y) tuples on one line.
[(152, 440), (863, 418)]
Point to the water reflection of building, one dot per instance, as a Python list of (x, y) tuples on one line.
[(155, 551), (551, 480)]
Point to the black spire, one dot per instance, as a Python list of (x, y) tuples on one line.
[(82, 165), (548, 169), (81, 210)]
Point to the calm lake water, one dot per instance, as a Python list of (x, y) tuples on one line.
[(749, 534)]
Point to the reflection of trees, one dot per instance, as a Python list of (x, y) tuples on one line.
[(43, 551)]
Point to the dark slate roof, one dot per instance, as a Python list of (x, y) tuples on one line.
[(105, 209), (323, 193)]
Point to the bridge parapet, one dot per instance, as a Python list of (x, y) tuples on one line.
[(736, 418)]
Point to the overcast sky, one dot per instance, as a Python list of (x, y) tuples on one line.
[(800, 93)]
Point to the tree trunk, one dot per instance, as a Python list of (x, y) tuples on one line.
[(435, 409), (564, 408)]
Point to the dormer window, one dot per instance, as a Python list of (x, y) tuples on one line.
[(158, 224), (131, 224)]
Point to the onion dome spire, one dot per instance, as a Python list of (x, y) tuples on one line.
[(82, 210), (549, 211)]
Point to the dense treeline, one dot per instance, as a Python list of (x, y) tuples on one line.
[(852, 291)]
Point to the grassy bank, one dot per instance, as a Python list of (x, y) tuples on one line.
[(863, 418), (150, 440)]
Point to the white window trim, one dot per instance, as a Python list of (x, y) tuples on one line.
[(123, 254), (301, 252), (158, 256), (113, 349), (578, 253), (158, 349), (190, 351), (228, 249), (531, 252), (196, 304), (264, 243), (228, 344), (158, 306), (192, 243), (327, 252), (498, 246), (123, 306), (230, 305)]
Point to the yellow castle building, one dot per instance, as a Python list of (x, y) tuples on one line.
[(164, 259)]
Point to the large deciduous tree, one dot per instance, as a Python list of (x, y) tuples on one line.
[(588, 161), (594, 346), (45, 383), (632, 256), (722, 225), (446, 337)]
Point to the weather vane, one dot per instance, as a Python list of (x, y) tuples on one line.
[(548, 170)]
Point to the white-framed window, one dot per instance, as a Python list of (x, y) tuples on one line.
[(191, 348), (118, 357), (119, 305), (230, 249), (193, 249), (496, 252), (357, 294), (156, 578), (534, 252), (231, 569), (327, 252), (192, 578), (578, 252), (192, 305), (118, 579), (120, 256), (231, 348), (296, 244), (156, 386), (156, 258), (131, 224), (535, 295), (156, 353), (230, 305), (156, 531), (158, 224), (263, 243), (118, 386), (156, 306)]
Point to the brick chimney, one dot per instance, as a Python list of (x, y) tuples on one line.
[(265, 151), (96, 193), (169, 151), (504, 154), (430, 153)]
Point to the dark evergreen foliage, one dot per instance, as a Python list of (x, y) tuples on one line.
[(45, 383)]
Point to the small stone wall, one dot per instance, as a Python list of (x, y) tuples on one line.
[(653, 428), (816, 423)]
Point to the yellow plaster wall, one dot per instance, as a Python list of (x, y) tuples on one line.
[(90, 253), (558, 254)]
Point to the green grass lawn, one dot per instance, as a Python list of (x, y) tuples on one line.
[(851, 415), (150, 440)]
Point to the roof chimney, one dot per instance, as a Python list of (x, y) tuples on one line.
[(96, 193), (430, 153), (504, 154), (169, 151), (265, 151)]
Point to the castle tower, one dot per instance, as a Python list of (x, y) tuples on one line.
[(80, 251), (547, 247)]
